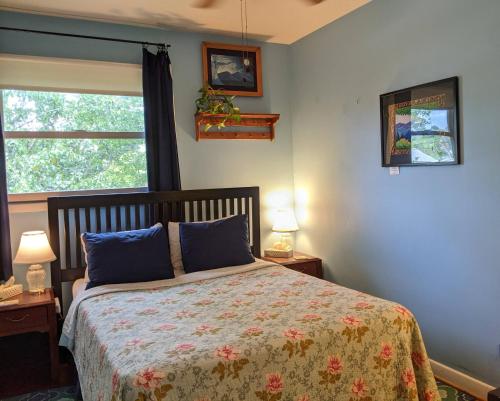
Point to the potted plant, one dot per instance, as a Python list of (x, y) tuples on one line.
[(212, 101)]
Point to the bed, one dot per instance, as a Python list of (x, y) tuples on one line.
[(252, 332)]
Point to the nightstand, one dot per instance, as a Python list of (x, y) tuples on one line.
[(34, 313), (494, 395), (300, 262)]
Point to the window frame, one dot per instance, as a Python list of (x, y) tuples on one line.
[(36, 197)]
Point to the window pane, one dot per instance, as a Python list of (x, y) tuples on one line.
[(56, 111), (45, 165)]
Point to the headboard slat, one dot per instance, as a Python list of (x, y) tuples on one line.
[(78, 243), (87, 211), (189, 211), (69, 216), (224, 207), (72, 274), (208, 210), (107, 221), (240, 206), (247, 207), (67, 243), (137, 216), (199, 211), (118, 217), (98, 219), (216, 209), (174, 211), (128, 223)]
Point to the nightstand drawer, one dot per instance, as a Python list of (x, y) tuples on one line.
[(20, 319), (300, 262), (310, 268)]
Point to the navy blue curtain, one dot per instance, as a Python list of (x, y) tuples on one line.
[(161, 141), (5, 250)]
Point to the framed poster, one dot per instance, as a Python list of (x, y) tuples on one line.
[(232, 69), (420, 125)]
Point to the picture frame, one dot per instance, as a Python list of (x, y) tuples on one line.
[(420, 125), (232, 69)]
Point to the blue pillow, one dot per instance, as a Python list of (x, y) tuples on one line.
[(127, 256), (211, 245)]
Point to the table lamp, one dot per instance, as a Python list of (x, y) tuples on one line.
[(35, 249), (284, 223)]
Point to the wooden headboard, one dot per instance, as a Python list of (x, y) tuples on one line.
[(69, 216)]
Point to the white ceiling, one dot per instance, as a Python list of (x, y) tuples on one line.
[(277, 21)]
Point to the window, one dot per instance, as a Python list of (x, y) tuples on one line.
[(58, 142)]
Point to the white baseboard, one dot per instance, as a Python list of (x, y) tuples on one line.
[(472, 386)]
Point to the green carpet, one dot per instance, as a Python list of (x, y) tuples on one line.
[(449, 393), (446, 392), (56, 394)]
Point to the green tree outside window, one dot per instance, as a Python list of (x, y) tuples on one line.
[(66, 163)]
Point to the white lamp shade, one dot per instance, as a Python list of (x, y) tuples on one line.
[(285, 221), (34, 248)]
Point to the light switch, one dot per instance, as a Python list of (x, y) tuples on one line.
[(393, 170)]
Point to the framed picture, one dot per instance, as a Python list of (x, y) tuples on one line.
[(420, 125), (232, 69)]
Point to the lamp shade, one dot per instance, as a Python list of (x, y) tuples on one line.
[(34, 248), (284, 221)]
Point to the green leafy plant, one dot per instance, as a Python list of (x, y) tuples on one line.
[(403, 143), (212, 101)]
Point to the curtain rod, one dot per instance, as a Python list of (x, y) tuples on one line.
[(72, 35)]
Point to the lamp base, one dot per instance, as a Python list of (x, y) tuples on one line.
[(37, 292), (278, 253), (35, 276)]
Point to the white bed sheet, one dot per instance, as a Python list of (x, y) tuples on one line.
[(80, 284)]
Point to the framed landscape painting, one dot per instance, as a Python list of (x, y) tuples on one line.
[(420, 125), (232, 69)]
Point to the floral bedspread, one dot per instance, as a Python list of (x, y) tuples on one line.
[(267, 334)]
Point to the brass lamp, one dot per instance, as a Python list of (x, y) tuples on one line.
[(35, 249)]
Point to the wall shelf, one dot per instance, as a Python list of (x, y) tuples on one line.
[(247, 120)]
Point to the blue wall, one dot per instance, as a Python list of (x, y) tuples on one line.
[(204, 164), (430, 237)]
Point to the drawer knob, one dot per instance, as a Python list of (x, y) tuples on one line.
[(17, 320)]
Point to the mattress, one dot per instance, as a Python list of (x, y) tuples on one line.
[(260, 332)]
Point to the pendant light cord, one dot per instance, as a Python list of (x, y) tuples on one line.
[(244, 31), (241, 20), (246, 23)]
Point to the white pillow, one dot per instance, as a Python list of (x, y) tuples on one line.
[(174, 241)]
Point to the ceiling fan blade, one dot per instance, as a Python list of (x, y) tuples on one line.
[(206, 3)]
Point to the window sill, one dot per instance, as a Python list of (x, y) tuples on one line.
[(28, 207), (37, 202)]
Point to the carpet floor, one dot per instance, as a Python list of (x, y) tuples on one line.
[(447, 393)]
